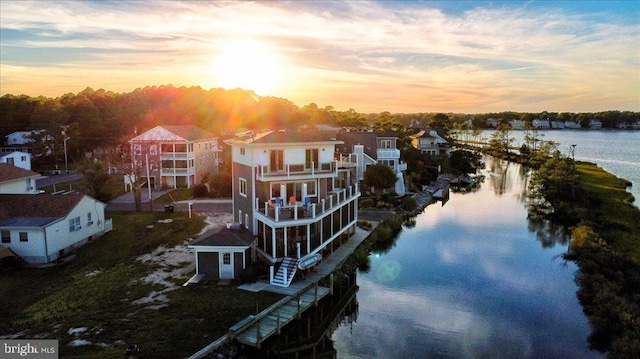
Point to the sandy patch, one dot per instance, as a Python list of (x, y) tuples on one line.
[(174, 263)]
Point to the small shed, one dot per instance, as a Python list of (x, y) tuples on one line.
[(224, 254)]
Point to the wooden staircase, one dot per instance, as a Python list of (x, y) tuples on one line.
[(285, 273)]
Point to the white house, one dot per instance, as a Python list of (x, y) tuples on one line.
[(294, 195), (371, 148), (541, 124), (595, 124), (16, 180), (175, 156), (428, 141), (44, 228), (17, 158)]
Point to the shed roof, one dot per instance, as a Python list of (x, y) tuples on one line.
[(226, 237)]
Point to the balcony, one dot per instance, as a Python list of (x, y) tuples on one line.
[(388, 153), (300, 211), (177, 171), (177, 155), (302, 170)]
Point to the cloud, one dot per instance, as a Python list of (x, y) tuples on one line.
[(366, 55)]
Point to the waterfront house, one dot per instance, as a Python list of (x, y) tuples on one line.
[(595, 124), (493, 122), (174, 156), (541, 124), (17, 158), (295, 194), (45, 227), (16, 180), (428, 141), (572, 124), (517, 124), (371, 148)]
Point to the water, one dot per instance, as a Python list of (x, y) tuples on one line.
[(472, 279), (617, 152)]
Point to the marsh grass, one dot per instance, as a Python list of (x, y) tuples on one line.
[(619, 219), (95, 291)]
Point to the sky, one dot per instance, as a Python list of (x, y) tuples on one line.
[(370, 56)]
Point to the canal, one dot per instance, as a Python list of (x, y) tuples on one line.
[(473, 278)]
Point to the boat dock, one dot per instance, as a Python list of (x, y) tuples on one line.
[(300, 296)]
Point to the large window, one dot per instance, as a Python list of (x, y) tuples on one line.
[(24, 237), (243, 187), (311, 158), (74, 224), (6, 236), (385, 144)]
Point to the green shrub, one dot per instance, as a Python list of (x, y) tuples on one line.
[(366, 203), (200, 191), (408, 203)]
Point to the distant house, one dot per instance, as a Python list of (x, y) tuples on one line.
[(16, 180), (371, 148), (557, 124), (540, 124), (22, 141), (428, 141), (517, 124), (44, 228), (17, 158), (595, 124), (224, 254), (572, 124), (493, 122), (176, 156)]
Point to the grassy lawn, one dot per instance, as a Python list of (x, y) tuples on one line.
[(621, 219), (95, 290), (115, 186)]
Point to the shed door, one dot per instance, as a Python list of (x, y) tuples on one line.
[(226, 265)]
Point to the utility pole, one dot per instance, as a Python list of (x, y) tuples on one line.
[(64, 133)]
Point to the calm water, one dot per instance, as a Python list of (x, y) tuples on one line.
[(617, 152), (472, 279)]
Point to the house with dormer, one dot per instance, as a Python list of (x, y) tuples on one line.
[(174, 156), (294, 194)]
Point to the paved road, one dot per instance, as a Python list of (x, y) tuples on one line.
[(127, 203), (57, 179)]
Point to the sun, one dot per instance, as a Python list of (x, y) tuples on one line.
[(249, 65)]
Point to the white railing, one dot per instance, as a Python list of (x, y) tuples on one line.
[(297, 211), (388, 153), (177, 171)]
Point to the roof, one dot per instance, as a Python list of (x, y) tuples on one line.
[(9, 172), (29, 210), (226, 237), (367, 139), (285, 136), (185, 133)]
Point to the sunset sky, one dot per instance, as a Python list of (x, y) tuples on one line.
[(372, 56)]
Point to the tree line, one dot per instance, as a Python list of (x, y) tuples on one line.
[(104, 119)]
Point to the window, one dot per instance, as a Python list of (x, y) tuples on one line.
[(226, 258), (6, 236), (311, 158), (276, 160), (24, 237), (243, 187), (28, 183), (242, 151), (385, 143), (153, 150), (89, 221), (74, 224), (23, 158), (311, 188), (137, 149)]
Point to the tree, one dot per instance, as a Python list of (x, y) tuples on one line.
[(440, 121), (96, 178), (379, 176)]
